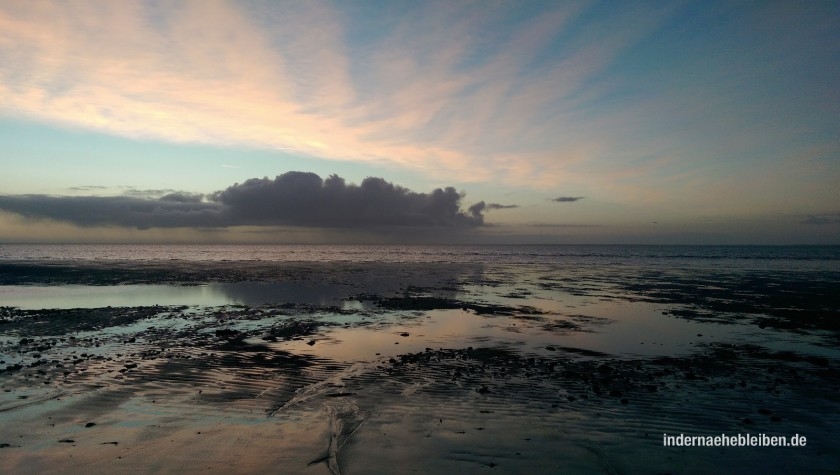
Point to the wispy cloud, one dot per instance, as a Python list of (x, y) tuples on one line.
[(500, 206), (543, 95), (146, 193), (566, 199), (88, 188), (437, 94), (822, 219)]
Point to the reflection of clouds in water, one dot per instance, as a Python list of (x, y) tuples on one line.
[(316, 284), (34, 297), (259, 293), (452, 328), (333, 287)]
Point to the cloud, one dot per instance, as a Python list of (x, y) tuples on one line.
[(477, 210), (449, 89), (301, 198), (822, 219), (500, 206), (146, 193), (181, 197), (290, 199), (87, 188), (128, 211), (536, 94), (567, 199)]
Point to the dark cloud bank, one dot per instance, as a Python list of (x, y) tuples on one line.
[(293, 198), (567, 199)]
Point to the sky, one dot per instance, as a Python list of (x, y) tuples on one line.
[(420, 122)]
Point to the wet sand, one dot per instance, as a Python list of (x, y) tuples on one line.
[(395, 368)]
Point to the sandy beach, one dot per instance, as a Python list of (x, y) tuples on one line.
[(413, 368)]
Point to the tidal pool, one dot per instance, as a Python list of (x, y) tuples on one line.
[(29, 297)]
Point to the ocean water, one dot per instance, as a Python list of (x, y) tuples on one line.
[(581, 261), (805, 257), (701, 266)]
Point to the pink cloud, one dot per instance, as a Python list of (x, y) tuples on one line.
[(210, 72)]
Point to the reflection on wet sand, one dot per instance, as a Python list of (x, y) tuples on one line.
[(383, 369), (204, 285)]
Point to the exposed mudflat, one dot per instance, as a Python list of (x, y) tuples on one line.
[(403, 368)]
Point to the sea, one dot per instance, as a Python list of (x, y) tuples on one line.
[(796, 264), (804, 257)]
